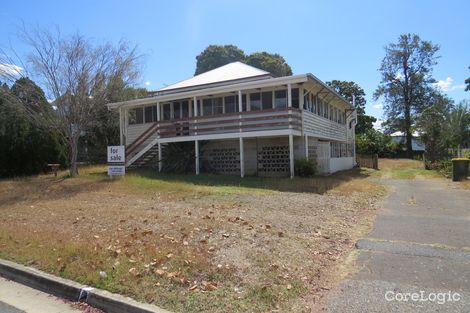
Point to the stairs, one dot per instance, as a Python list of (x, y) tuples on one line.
[(148, 159)]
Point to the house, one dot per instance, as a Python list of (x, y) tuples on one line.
[(416, 144), (251, 123)]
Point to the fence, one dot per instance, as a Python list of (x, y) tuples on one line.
[(368, 160)]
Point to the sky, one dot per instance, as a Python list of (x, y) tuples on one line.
[(341, 40)]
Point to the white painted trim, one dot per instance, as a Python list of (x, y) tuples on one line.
[(215, 90), (121, 129), (266, 133), (289, 96)]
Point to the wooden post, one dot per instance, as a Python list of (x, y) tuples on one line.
[(242, 159), (291, 155), (160, 157), (121, 134), (196, 146)]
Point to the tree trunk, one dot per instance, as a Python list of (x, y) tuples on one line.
[(73, 156), (408, 133)]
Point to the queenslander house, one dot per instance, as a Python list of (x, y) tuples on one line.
[(250, 123)]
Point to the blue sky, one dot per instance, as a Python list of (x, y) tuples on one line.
[(331, 39)]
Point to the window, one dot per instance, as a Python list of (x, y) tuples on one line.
[(185, 109), (325, 110), (320, 107), (307, 101), (231, 104), (218, 106), (295, 97), (155, 113), (267, 100), (280, 99), (243, 103), (255, 101), (314, 104), (167, 111), (132, 117), (176, 110), (331, 113), (139, 115), (207, 107), (148, 114)]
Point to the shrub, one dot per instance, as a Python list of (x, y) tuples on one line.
[(305, 168), (467, 155)]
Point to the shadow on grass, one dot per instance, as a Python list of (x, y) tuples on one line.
[(317, 184)]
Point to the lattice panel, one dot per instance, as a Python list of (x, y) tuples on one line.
[(224, 160), (273, 159)]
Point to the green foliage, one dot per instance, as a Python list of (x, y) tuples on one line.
[(347, 90), (467, 155), (458, 124), (215, 56), (305, 167), (375, 142), (406, 85), (25, 149), (270, 62), (105, 129)]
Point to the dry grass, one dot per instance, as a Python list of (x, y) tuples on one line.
[(404, 169), (191, 244)]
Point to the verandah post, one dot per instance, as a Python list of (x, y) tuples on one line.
[(291, 155), (196, 146)]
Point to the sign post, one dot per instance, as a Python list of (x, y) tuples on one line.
[(116, 161)]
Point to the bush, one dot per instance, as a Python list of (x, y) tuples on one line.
[(375, 142), (305, 168), (467, 155)]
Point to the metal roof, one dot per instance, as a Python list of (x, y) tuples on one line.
[(232, 72)]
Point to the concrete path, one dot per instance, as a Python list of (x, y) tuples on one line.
[(417, 258), (17, 298)]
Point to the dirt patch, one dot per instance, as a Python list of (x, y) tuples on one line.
[(190, 251)]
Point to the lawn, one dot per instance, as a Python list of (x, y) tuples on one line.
[(192, 243), (404, 169)]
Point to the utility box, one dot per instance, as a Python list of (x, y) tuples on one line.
[(460, 168)]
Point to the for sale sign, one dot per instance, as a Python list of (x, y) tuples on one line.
[(116, 161)]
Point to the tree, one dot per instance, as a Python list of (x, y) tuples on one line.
[(217, 55), (270, 62), (373, 141), (81, 77), (406, 82), (458, 124), (347, 90), (26, 149)]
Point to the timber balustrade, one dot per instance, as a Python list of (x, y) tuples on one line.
[(261, 120)]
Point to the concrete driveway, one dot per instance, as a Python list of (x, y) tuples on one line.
[(417, 258)]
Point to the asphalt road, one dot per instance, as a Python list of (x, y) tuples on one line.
[(417, 258), (17, 298)]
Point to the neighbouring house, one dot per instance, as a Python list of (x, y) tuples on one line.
[(416, 144), (251, 123)]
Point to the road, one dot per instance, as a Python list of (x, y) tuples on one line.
[(17, 298), (417, 258)]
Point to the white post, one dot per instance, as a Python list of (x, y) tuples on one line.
[(195, 105), (289, 96), (160, 157), (121, 137), (158, 112), (291, 155), (196, 145), (306, 146), (301, 98), (242, 159), (240, 104)]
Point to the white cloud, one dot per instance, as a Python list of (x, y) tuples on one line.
[(378, 124), (147, 83), (378, 106), (448, 84), (9, 69)]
